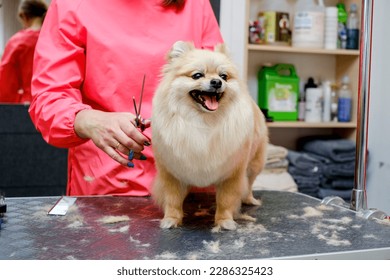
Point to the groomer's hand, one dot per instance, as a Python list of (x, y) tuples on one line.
[(114, 133)]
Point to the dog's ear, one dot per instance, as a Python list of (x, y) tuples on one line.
[(179, 48), (222, 48)]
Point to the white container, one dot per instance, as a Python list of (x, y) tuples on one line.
[(313, 112), (331, 26), (308, 25), (327, 100)]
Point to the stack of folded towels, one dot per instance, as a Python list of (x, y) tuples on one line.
[(275, 174), (324, 167)]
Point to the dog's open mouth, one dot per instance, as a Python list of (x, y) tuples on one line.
[(209, 100)]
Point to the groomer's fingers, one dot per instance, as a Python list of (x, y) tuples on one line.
[(113, 133), (131, 133), (123, 155), (133, 155), (130, 154), (114, 154)]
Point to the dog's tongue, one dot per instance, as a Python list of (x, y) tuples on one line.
[(211, 102)]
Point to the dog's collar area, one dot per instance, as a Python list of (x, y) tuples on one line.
[(209, 100)]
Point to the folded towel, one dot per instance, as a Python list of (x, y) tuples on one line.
[(338, 150), (275, 181), (309, 189), (338, 183), (277, 166), (336, 170), (306, 180), (314, 172), (311, 192), (344, 194), (275, 153), (322, 159), (303, 162)]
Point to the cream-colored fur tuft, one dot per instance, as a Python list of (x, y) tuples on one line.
[(207, 130)]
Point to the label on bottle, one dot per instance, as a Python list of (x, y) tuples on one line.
[(342, 36), (344, 109), (353, 39), (282, 98), (313, 112)]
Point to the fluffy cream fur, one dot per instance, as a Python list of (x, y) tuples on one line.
[(220, 143)]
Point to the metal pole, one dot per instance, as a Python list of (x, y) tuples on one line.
[(359, 199)]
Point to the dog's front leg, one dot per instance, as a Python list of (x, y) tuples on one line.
[(228, 200), (171, 194)]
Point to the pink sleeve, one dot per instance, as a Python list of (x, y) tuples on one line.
[(9, 84), (58, 73), (211, 31)]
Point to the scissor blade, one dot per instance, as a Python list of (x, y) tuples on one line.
[(140, 98), (136, 111), (135, 107)]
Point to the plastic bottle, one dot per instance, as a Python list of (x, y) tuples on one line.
[(310, 84), (345, 101), (333, 104), (342, 26), (353, 28), (331, 25), (301, 102), (313, 109), (327, 100), (308, 26), (271, 14)]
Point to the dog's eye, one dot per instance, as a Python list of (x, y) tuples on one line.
[(224, 77), (197, 76)]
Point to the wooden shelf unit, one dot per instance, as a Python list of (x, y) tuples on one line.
[(321, 64), (288, 49), (298, 124)]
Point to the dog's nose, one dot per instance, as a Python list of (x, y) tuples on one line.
[(216, 83)]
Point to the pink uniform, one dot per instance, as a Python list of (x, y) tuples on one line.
[(16, 67), (94, 54)]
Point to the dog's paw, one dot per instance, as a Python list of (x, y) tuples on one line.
[(245, 217), (169, 223), (252, 201), (224, 224)]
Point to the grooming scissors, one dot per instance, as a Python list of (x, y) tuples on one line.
[(138, 119)]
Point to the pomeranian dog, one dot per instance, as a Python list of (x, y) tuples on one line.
[(207, 131)]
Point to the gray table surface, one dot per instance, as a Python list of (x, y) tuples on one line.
[(289, 225)]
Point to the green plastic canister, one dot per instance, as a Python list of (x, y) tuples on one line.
[(278, 91)]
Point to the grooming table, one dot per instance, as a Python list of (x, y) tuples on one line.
[(289, 225)]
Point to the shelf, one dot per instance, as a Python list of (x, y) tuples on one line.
[(297, 124), (288, 49)]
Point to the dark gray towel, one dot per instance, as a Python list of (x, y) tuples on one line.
[(306, 180), (338, 183), (304, 163), (336, 170), (312, 172), (313, 193), (338, 150), (344, 194)]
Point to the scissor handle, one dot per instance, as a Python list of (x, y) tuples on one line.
[(139, 123)]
